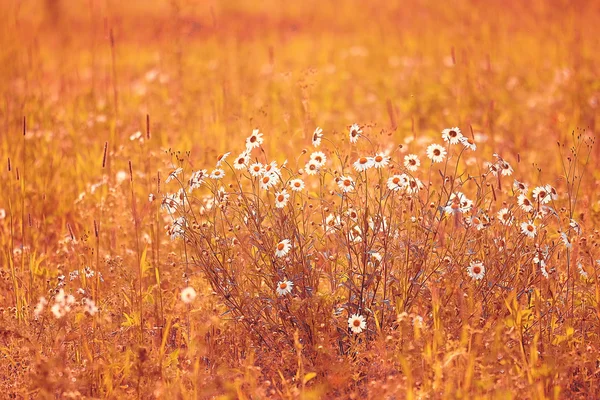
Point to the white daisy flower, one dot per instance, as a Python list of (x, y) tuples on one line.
[(452, 135), (414, 185), (332, 223), (521, 187), (582, 272), (268, 180), (528, 229), (552, 191), (242, 160), (505, 217), (272, 168), (468, 143), (436, 153), (541, 195), (363, 164), (355, 133), (357, 323), (284, 287), (352, 214), (412, 162), (173, 175), (296, 185), (476, 270), (318, 157), (316, 138), (217, 174), (188, 295), (255, 140), (505, 168), (221, 158), (524, 203), (197, 179), (459, 199), (256, 169), (346, 183), (311, 167), (281, 198), (380, 160), (283, 248), (397, 182)]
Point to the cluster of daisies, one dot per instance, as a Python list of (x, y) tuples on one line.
[(271, 178)]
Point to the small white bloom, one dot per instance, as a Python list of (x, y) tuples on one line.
[(284, 287), (355, 133), (312, 167), (528, 229), (436, 153), (524, 203), (346, 184), (521, 187), (281, 198), (541, 195), (319, 157), (317, 135), (188, 295), (221, 158), (255, 140), (89, 306), (217, 174), (380, 160), (468, 143), (412, 162), (505, 216), (268, 180), (363, 164), (256, 169), (173, 175), (476, 270), (398, 182), (452, 135), (296, 185), (242, 160), (283, 248), (357, 323)]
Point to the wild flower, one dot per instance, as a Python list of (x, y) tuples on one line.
[(89, 306), (525, 204), (346, 184), (363, 164), (452, 135), (357, 323), (354, 133), (242, 160), (468, 143), (318, 157), (412, 162), (316, 138), (436, 153), (281, 198), (284, 287), (188, 295), (380, 160), (62, 304), (268, 180), (173, 175), (221, 158), (256, 169), (296, 185), (476, 270), (528, 229), (521, 187), (505, 216), (541, 195), (312, 167), (217, 174), (254, 140), (283, 248), (398, 182)]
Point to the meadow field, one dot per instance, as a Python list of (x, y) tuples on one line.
[(206, 199)]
